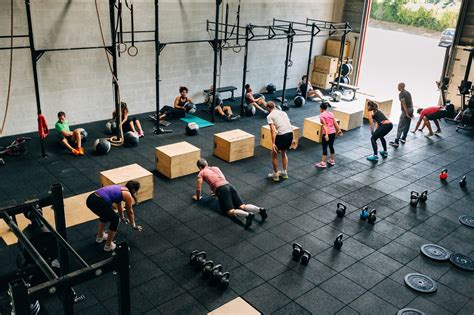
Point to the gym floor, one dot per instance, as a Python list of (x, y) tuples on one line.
[(366, 276)]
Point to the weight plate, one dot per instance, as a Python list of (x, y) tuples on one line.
[(410, 311), (435, 252), (420, 283), (467, 220), (462, 262)]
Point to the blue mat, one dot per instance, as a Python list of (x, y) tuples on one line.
[(201, 122)]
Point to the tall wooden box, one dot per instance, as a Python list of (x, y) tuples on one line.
[(325, 64), (350, 117), (234, 145), (385, 105), (333, 48), (266, 136), (177, 159), (121, 175), (313, 130), (321, 80), (237, 306)]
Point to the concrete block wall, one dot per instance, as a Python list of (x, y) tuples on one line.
[(79, 82)]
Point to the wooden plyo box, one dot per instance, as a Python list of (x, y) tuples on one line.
[(237, 306), (385, 106), (350, 117), (325, 64), (234, 145), (333, 48), (266, 136), (321, 80), (313, 130), (121, 175), (177, 159)]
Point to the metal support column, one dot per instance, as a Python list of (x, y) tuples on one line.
[(217, 48), (123, 279), (113, 53), (289, 43), (244, 75), (34, 59), (157, 65), (308, 69), (18, 292)]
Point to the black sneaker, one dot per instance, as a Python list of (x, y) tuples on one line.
[(263, 214), (249, 219), (402, 141), (394, 144)]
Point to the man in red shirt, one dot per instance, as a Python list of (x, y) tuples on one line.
[(430, 113), (229, 200)]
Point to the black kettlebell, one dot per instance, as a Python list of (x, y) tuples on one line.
[(224, 281), (305, 257), (197, 259), (207, 269), (424, 196), (341, 210), (371, 219), (463, 182), (414, 198), (219, 278), (338, 242), (364, 213), (297, 251)]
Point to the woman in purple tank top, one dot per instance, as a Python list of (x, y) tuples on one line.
[(102, 201)]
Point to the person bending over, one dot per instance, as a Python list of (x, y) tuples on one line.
[(330, 128), (384, 126), (406, 103), (102, 202), (229, 200), (283, 138), (129, 123), (433, 113), (178, 110), (259, 103), (67, 137), (224, 111), (305, 87)]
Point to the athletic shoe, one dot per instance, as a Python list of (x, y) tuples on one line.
[(81, 151), (437, 132), (384, 154), (266, 112), (110, 248), (75, 152), (284, 174), (394, 144), (101, 239), (430, 134), (320, 165), (403, 141), (263, 214), (248, 220), (274, 176), (332, 162), (372, 158), (141, 134)]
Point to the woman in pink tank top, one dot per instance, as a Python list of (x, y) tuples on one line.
[(329, 130)]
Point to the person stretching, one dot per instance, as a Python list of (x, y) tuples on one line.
[(178, 110), (229, 200), (305, 87), (129, 124), (430, 113), (256, 102), (68, 137), (283, 139), (224, 111), (384, 126), (102, 201), (330, 128)]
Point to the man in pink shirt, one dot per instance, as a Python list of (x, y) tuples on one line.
[(229, 200), (430, 113)]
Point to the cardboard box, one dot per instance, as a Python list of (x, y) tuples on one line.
[(321, 80), (121, 175), (234, 145), (177, 159), (385, 105), (325, 64), (333, 48), (266, 136)]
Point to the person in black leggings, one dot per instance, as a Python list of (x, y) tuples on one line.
[(330, 128), (384, 126), (179, 110)]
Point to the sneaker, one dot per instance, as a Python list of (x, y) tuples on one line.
[(394, 144), (110, 248), (430, 134), (437, 132), (81, 151), (75, 152), (320, 165), (101, 239), (402, 141), (373, 158), (284, 174), (332, 162), (274, 176), (141, 134), (263, 214), (384, 154), (248, 220)]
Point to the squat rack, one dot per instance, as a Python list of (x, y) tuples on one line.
[(21, 293)]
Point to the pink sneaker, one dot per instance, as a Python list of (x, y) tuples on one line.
[(320, 165), (332, 162), (141, 134)]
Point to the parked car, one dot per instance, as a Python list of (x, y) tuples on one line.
[(447, 37)]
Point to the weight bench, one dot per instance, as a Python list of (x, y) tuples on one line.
[(223, 89), (344, 86)]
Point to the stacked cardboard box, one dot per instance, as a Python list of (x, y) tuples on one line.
[(325, 66)]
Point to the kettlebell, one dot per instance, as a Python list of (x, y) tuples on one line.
[(216, 273), (219, 278), (414, 198), (364, 213), (341, 210), (224, 281), (338, 242), (297, 251), (207, 269), (371, 219), (197, 259), (463, 182), (424, 196), (444, 174), (305, 257)]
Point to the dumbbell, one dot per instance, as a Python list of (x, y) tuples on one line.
[(364, 214), (197, 259), (371, 218), (219, 278), (414, 198), (338, 242), (341, 210)]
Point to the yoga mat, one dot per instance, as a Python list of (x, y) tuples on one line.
[(201, 122)]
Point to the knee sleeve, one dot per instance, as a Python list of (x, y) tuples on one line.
[(114, 222)]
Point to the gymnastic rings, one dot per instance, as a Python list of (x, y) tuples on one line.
[(132, 51), (122, 47), (236, 50)]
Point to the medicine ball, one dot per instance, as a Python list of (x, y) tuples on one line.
[(83, 133), (102, 146), (249, 110), (336, 96), (258, 95), (299, 101), (192, 129), (190, 108), (271, 88), (130, 139), (110, 127)]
